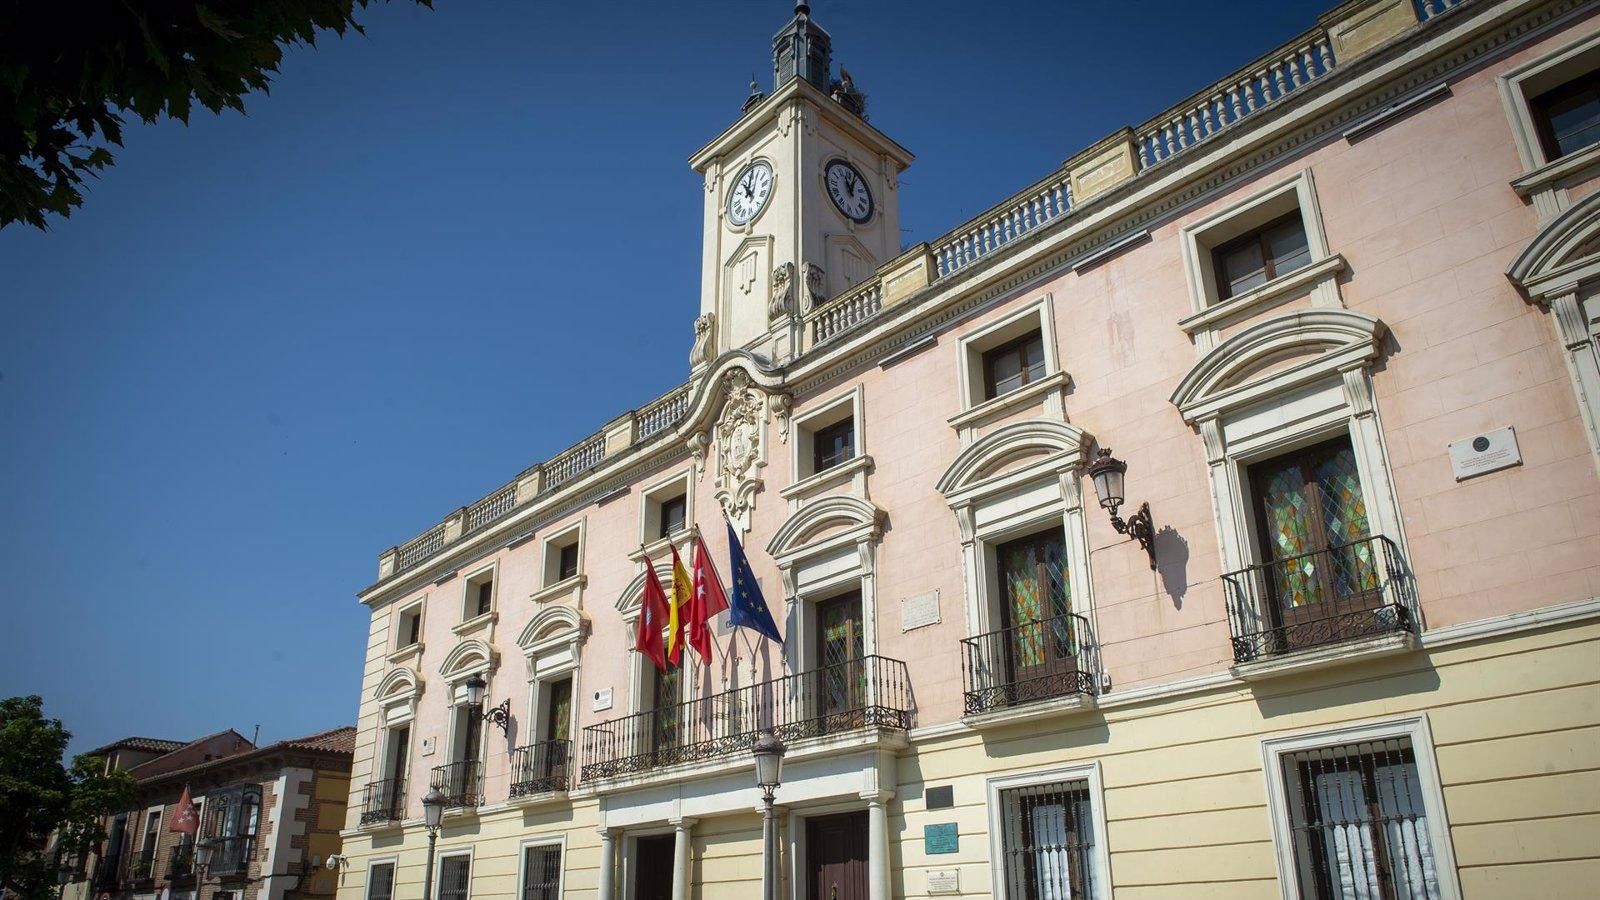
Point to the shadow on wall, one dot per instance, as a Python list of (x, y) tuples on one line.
[(1172, 563)]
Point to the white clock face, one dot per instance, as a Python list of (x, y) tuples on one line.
[(749, 193), (848, 190)]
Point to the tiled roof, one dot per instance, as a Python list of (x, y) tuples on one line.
[(334, 740), (149, 745)]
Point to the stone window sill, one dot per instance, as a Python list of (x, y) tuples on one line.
[(990, 410), (1255, 300)]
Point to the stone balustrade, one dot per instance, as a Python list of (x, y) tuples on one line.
[(846, 311)]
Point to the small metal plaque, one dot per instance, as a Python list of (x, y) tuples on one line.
[(941, 838), (602, 699), (944, 881), (918, 611), (941, 797), (1487, 452)]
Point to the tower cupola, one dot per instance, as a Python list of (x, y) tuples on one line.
[(802, 50)]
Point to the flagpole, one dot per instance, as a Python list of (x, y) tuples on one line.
[(748, 647)]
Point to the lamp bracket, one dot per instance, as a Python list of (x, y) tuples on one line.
[(500, 715), (1140, 527)]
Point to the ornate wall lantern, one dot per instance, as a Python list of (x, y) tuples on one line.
[(1109, 474)]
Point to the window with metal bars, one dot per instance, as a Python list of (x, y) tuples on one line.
[(455, 873), (1358, 824), (1047, 842), (380, 882), (541, 872)]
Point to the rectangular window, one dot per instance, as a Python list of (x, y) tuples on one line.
[(380, 882), (673, 512), (455, 873), (485, 596), (541, 872), (1013, 365), (568, 565), (1357, 822), (1255, 258), (1048, 842), (833, 445), (1568, 117), (411, 627)]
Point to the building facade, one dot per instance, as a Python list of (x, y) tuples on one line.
[(272, 816), (1327, 329)]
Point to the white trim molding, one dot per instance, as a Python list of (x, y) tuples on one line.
[(1546, 180), (822, 550), (1019, 479), (1318, 278), (1101, 859), (1559, 270), (1411, 728), (976, 411)]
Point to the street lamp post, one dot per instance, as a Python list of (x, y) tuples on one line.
[(768, 751), (432, 812), (202, 861)]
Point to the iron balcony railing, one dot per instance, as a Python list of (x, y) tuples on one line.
[(107, 872), (142, 866), (181, 863), (231, 856), (461, 783), (540, 768), (872, 691), (1039, 660), (385, 801), (1346, 592)]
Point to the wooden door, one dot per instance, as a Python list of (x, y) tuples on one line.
[(652, 867), (1311, 521), (557, 727), (1040, 642), (668, 710), (841, 674), (836, 857), (399, 747)]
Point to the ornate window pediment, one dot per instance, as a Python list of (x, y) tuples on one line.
[(397, 694), (835, 520), (1244, 368), (1562, 255), (632, 596), (1020, 451), (551, 640)]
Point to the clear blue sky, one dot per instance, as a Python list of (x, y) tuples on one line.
[(270, 346)]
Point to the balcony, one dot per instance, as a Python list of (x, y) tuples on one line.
[(1036, 668), (540, 769), (1321, 608), (107, 873), (232, 855), (181, 863), (142, 867), (461, 783), (385, 802), (872, 692)]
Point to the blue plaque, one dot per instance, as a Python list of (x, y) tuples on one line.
[(943, 838)]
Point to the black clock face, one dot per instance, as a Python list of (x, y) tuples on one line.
[(749, 193), (848, 190)]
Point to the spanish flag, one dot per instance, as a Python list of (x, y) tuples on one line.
[(678, 608)]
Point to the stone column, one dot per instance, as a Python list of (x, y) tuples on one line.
[(681, 833), (608, 863), (878, 847)]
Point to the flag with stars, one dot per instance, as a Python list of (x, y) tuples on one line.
[(747, 608)]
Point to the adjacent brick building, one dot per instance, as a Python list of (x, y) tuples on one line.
[(272, 813)]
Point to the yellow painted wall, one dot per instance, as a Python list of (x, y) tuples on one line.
[(1515, 722)]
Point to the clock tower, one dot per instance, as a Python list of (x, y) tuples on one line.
[(801, 201)]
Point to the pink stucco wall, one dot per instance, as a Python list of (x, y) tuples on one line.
[(1422, 212)]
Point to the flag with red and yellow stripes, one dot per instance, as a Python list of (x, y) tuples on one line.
[(678, 608)]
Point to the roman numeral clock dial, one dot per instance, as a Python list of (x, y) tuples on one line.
[(749, 193), (847, 187)]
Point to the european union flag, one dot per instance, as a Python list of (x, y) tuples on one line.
[(747, 607)]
